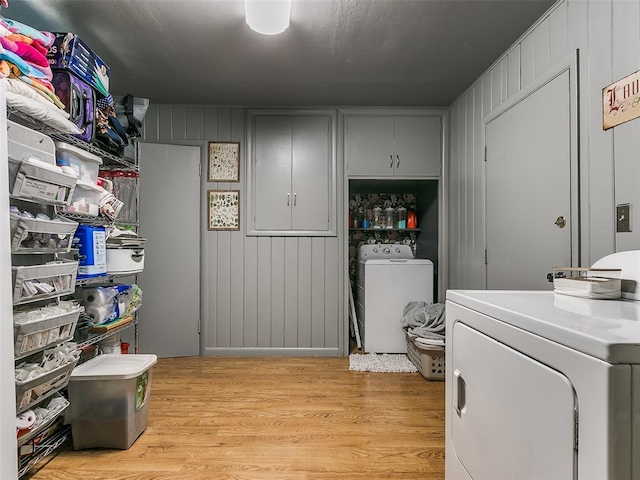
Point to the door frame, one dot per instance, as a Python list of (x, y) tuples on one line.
[(204, 284), (577, 188)]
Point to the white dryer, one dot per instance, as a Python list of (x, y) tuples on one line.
[(543, 386), (389, 277)]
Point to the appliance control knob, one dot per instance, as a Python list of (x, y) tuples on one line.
[(387, 250), (397, 250), (375, 250)]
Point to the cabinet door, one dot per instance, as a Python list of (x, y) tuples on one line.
[(311, 167), (417, 146), (272, 172), (368, 146)]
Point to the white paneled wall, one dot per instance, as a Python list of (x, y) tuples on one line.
[(607, 35), (260, 295)]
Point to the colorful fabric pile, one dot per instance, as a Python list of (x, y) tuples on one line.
[(26, 76)]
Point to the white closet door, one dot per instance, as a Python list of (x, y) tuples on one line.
[(273, 198), (516, 415), (311, 161), (528, 189), (170, 221)]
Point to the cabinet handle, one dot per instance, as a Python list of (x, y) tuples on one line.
[(397, 161), (391, 164), (295, 199), (287, 199)]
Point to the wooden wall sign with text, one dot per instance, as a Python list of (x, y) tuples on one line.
[(621, 101)]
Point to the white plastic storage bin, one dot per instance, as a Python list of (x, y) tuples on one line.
[(39, 328), (36, 235), (109, 398), (37, 181), (428, 360), (24, 143), (125, 260), (86, 199), (85, 164), (42, 281)]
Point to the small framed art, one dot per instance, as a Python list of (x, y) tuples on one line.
[(223, 209), (224, 162)]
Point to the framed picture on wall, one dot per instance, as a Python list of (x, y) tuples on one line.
[(223, 209), (224, 162)]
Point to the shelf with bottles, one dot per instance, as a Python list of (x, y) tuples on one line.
[(382, 230)]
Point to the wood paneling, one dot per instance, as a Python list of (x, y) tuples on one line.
[(607, 34), (626, 141), (259, 294), (275, 419)]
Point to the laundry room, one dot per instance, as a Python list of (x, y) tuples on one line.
[(247, 250)]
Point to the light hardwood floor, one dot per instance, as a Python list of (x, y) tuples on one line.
[(275, 419)]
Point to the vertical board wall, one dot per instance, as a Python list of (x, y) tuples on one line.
[(607, 35), (260, 295)]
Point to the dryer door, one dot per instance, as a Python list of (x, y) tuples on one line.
[(512, 416)]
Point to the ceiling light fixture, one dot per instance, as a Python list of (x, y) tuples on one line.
[(268, 17)]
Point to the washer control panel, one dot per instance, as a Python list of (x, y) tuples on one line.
[(384, 251)]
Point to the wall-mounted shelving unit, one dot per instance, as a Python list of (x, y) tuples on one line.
[(36, 445)]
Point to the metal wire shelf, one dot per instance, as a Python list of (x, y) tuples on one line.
[(97, 337), (44, 449), (108, 159)]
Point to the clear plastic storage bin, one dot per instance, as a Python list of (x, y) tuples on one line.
[(109, 398), (85, 164), (86, 199)]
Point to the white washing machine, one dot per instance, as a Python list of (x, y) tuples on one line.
[(389, 278), (543, 386)]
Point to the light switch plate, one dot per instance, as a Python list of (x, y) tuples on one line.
[(623, 218)]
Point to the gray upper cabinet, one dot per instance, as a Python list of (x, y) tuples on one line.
[(393, 145), (292, 171)]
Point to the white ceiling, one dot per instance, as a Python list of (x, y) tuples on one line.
[(335, 52)]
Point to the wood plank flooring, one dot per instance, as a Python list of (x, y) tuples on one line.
[(275, 419)]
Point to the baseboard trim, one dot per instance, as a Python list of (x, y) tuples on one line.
[(270, 352)]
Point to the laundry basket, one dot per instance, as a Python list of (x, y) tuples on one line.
[(428, 360)]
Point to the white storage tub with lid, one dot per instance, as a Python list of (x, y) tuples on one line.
[(109, 398), (86, 199), (85, 164)]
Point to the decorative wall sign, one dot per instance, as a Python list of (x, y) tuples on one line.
[(224, 162), (223, 209), (621, 101)]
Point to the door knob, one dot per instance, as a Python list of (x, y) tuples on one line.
[(391, 164), (560, 222)]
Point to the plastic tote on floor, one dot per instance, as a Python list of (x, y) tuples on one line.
[(109, 398)]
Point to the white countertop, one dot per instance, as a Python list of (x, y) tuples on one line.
[(605, 329)]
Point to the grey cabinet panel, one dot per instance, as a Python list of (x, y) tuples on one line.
[(272, 162), (393, 145), (311, 173), (417, 146), (292, 173), (369, 145)]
